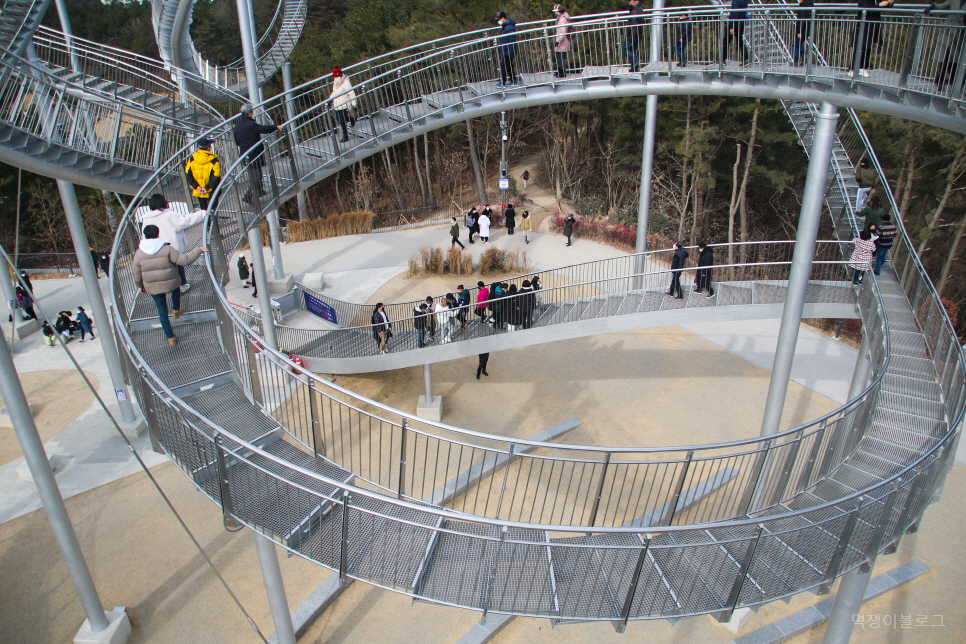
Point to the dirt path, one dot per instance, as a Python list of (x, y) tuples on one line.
[(539, 201)]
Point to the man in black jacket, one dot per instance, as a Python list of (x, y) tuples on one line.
[(705, 258), (633, 33), (248, 137), (464, 303), (677, 265), (419, 323)]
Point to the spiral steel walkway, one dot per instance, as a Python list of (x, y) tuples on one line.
[(549, 530)]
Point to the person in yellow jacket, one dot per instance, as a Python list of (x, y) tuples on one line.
[(203, 172), (527, 226)]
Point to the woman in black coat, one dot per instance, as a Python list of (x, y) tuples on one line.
[(510, 216), (381, 327), (569, 226), (705, 262)]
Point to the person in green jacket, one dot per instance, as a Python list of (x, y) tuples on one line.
[(866, 177), (873, 212)]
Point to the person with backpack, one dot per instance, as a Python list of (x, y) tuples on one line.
[(171, 226), (155, 269), (561, 46), (203, 172), (471, 218), (85, 324)]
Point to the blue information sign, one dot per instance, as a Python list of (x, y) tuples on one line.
[(317, 307)]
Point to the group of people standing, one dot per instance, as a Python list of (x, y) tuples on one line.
[(67, 325), (872, 245), (480, 222)]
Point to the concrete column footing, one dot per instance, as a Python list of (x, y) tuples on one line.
[(117, 631), (282, 286), (432, 410)]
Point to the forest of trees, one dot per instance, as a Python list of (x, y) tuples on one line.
[(726, 168)]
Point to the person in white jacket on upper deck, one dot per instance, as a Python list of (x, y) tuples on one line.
[(343, 99), (562, 41), (171, 225)]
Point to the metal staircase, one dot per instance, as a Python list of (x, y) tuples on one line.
[(19, 20)]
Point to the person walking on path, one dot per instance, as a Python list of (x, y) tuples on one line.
[(510, 218), (254, 285), (526, 225), (802, 24), (736, 30), (482, 297), (105, 262), (537, 288), (633, 33), (343, 99), (172, 226), (94, 258), (525, 177), (568, 228), (471, 217), (248, 137), (156, 273), (887, 235), (677, 265), (867, 178), (419, 323), (528, 302), (862, 255), (705, 262), (26, 302), (431, 320), (463, 299), (203, 172), (872, 213), (561, 46), (381, 328), (48, 334), (85, 324), (481, 367), (483, 223), (454, 232), (243, 271), (507, 50)]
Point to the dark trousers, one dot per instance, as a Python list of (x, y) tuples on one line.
[(161, 302), (561, 57), (681, 51), (857, 276), (738, 26), (86, 328), (484, 358), (704, 280), (675, 290), (509, 229), (568, 237), (508, 69), (255, 178), (945, 74), (456, 240), (181, 274), (342, 116), (629, 49), (880, 257), (420, 336)]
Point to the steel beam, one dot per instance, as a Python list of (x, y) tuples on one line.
[(275, 588)]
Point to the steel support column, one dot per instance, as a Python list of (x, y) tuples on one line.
[(303, 204), (36, 458), (428, 382), (860, 376), (274, 588), (78, 234), (647, 155), (261, 280), (819, 160), (248, 48), (848, 602)]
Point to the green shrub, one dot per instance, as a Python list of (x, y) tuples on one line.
[(590, 206)]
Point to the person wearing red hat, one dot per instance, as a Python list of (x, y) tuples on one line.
[(343, 99)]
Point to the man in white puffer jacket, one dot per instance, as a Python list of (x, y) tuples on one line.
[(171, 225)]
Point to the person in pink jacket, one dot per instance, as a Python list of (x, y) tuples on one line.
[(481, 301), (861, 259), (562, 41)]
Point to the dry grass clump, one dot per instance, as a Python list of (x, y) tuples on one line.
[(494, 260), (357, 222), (432, 261)]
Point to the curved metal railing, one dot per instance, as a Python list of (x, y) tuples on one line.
[(772, 545)]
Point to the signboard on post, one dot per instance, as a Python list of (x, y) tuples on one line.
[(317, 307), (504, 183)]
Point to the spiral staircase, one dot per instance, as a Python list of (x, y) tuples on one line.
[(566, 532)]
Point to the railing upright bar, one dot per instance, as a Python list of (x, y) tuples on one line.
[(672, 506), (831, 572), (743, 570), (635, 582), (600, 490)]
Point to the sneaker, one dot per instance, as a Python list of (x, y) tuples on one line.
[(177, 313), (173, 341), (185, 288), (864, 73), (385, 351), (499, 84), (81, 340), (709, 296)]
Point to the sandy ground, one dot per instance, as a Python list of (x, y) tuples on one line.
[(59, 396)]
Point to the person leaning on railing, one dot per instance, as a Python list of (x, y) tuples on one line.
[(248, 137)]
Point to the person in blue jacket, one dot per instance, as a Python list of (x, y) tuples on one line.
[(507, 50), (736, 30)]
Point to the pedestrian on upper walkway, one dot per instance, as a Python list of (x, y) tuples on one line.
[(685, 33), (561, 45), (705, 262), (802, 26), (343, 99), (633, 33), (381, 327), (568, 228), (484, 225), (868, 32), (887, 234), (419, 323), (454, 232), (736, 30), (248, 137), (949, 50), (203, 172), (872, 214), (156, 273), (105, 262), (463, 300), (677, 265), (172, 225), (862, 255), (446, 318), (507, 50), (510, 218), (528, 302), (867, 178), (431, 320), (482, 297)]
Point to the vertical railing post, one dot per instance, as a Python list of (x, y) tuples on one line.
[(831, 571), (632, 589), (224, 488), (753, 479), (254, 379), (344, 549), (875, 542), (735, 594), (909, 53), (672, 505), (859, 46), (318, 438), (779, 492), (600, 489), (402, 460)]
